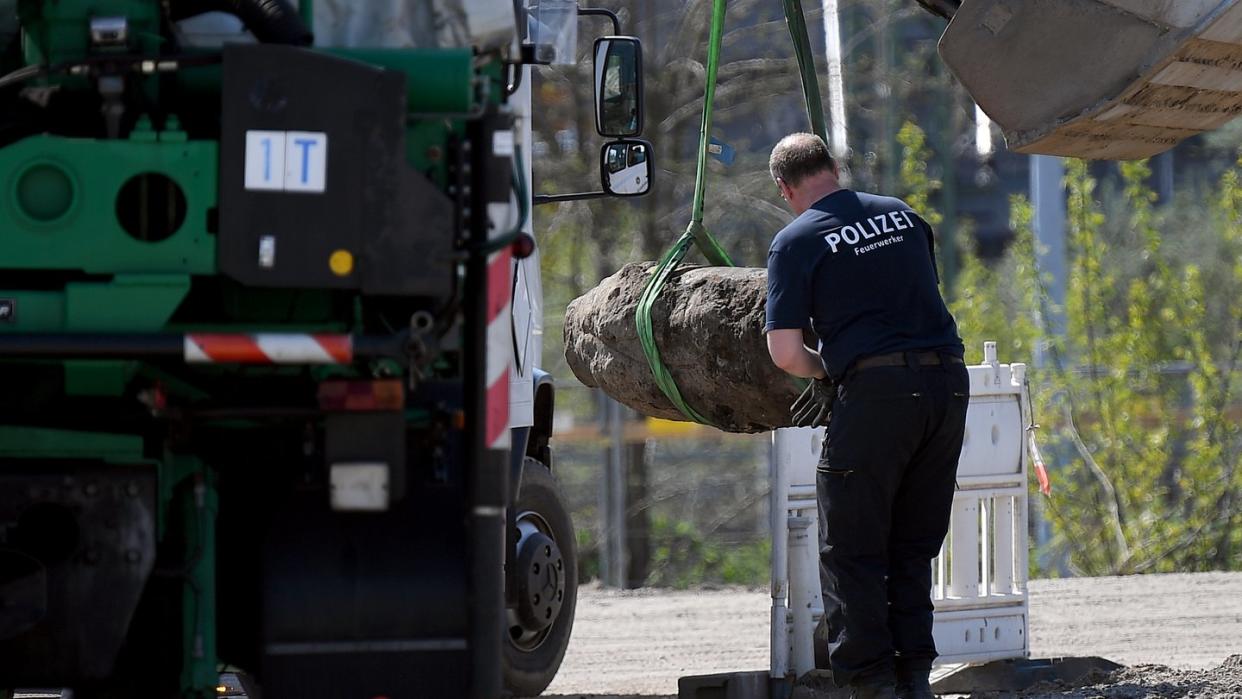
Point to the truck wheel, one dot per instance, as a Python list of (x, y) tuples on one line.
[(547, 581)]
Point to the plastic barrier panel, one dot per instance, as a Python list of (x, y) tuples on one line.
[(979, 579)]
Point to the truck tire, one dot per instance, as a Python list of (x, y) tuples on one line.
[(547, 575)]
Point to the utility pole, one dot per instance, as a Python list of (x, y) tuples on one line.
[(836, 80), (1048, 202), (945, 139), (884, 86), (1162, 165), (637, 516)]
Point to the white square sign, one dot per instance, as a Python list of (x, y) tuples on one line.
[(289, 161), (306, 161), (265, 160)]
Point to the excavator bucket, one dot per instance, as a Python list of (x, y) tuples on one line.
[(1103, 79)]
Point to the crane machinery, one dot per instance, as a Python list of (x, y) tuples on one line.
[(270, 318), (269, 337)]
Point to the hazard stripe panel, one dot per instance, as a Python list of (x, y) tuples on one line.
[(499, 268), (499, 349), (496, 424), (268, 348)]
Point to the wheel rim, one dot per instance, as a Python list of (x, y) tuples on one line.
[(541, 583)]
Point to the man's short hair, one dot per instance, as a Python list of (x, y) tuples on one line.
[(799, 156)]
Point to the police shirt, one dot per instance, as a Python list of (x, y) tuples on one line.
[(860, 270)]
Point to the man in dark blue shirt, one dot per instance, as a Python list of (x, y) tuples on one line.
[(859, 270)]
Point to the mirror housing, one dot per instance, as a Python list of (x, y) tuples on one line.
[(625, 167), (618, 71)]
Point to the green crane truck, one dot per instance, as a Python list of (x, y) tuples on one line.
[(268, 344)]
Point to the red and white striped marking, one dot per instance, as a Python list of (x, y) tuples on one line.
[(268, 348), (499, 348)]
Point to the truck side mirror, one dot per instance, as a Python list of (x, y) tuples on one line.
[(618, 86), (625, 167)]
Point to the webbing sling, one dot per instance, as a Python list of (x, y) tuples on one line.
[(796, 19), (696, 234)]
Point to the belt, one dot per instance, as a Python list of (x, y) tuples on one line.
[(899, 359)]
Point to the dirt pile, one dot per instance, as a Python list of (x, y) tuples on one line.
[(1144, 682)]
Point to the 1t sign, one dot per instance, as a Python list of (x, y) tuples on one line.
[(306, 161), (288, 161)]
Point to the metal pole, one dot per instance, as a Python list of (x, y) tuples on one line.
[(602, 499), (612, 499), (1048, 202), (1163, 166), (887, 58), (803, 565), (778, 514), (946, 114), (836, 80)]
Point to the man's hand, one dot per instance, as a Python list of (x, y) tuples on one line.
[(814, 407)]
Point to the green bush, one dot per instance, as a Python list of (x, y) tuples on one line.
[(1138, 393), (1136, 398), (683, 556)]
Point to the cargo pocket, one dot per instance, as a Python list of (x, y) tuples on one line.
[(958, 405), (833, 471)]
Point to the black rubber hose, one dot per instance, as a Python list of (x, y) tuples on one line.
[(519, 16), (271, 21)]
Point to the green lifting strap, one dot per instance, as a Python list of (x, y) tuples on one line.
[(796, 19), (696, 234), (706, 242)]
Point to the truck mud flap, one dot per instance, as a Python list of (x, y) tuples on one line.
[(366, 604), (77, 548)]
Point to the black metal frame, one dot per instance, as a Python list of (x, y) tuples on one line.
[(602, 12), (558, 198), (540, 199), (487, 470)]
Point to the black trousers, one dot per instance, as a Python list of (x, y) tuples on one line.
[(885, 484)]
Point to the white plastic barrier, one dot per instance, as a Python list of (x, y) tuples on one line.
[(979, 579)]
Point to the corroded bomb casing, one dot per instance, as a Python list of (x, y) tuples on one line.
[(708, 324)]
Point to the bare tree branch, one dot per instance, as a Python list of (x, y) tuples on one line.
[(1112, 501)]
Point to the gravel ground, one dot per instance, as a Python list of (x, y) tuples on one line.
[(636, 644)]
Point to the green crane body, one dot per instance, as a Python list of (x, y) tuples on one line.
[(115, 464)]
